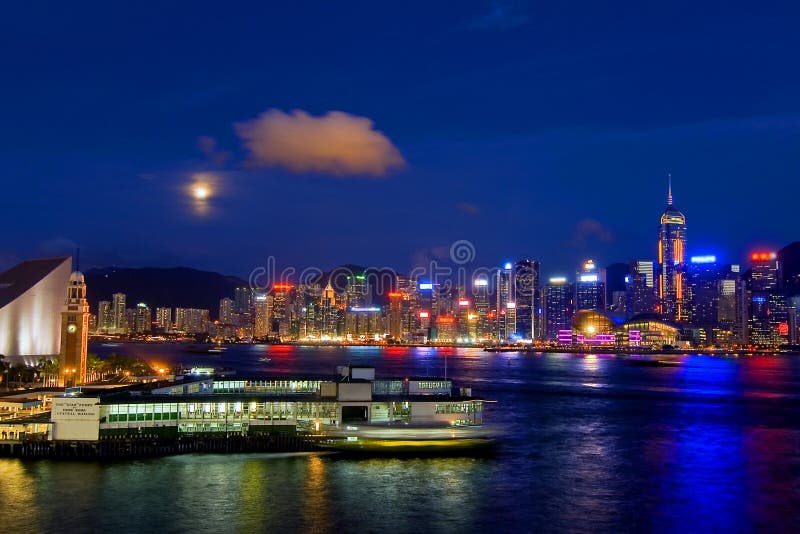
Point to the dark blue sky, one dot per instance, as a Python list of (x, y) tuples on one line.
[(529, 128)]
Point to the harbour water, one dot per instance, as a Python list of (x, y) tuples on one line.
[(591, 443)]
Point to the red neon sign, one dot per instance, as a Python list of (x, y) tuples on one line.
[(282, 287), (763, 256)]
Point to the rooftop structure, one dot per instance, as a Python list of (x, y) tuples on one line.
[(31, 301)]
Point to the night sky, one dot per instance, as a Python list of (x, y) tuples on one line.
[(379, 133)]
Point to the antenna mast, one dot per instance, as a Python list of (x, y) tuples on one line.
[(669, 193)]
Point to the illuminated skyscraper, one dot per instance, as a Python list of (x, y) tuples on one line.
[(503, 295), (363, 323), (144, 319), (281, 309), (445, 299), (463, 319), (105, 318), (357, 292), (130, 319), (164, 319), (263, 315), (590, 287), (191, 320), (557, 307), (243, 299), (226, 314), (511, 319), (641, 287), (306, 311), (395, 315), (704, 275), (446, 328), (480, 290), (673, 288), (764, 271), (527, 296), (410, 320), (428, 302), (227, 318), (714, 292), (769, 317), (120, 321), (329, 313), (732, 310)]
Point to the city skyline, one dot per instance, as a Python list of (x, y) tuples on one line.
[(673, 299), (520, 128)]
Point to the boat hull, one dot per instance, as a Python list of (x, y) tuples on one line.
[(410, 440)]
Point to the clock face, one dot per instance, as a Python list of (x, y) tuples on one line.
[(71, 328)]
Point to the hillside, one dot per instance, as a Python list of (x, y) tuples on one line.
[(174, 287)]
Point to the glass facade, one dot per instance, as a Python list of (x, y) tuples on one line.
[(269, 387), (216, 416), (557, 307), (527, 296)]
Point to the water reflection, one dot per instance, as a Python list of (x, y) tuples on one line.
[(409, 494), (772, 474), (316, 516), (17, 489), (704, 485)]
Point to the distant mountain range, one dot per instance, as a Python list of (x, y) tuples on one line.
[(176, 287)]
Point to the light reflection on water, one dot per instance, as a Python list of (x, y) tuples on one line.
[(592, 444)]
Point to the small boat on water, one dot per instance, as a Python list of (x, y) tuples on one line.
[(204, 348), (394, 439), (265, 359), (503, 348)]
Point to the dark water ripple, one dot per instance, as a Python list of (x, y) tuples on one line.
[(592, 445)]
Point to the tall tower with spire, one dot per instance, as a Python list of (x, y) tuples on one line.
[(673, 287), (74, 333)]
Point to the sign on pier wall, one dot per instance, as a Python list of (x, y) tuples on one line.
[(76, 418)]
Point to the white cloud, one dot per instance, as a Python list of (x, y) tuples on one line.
[(336, 143)]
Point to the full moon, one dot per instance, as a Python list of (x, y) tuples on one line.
[(200, 192)]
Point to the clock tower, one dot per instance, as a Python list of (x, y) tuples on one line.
[(74, 333)]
